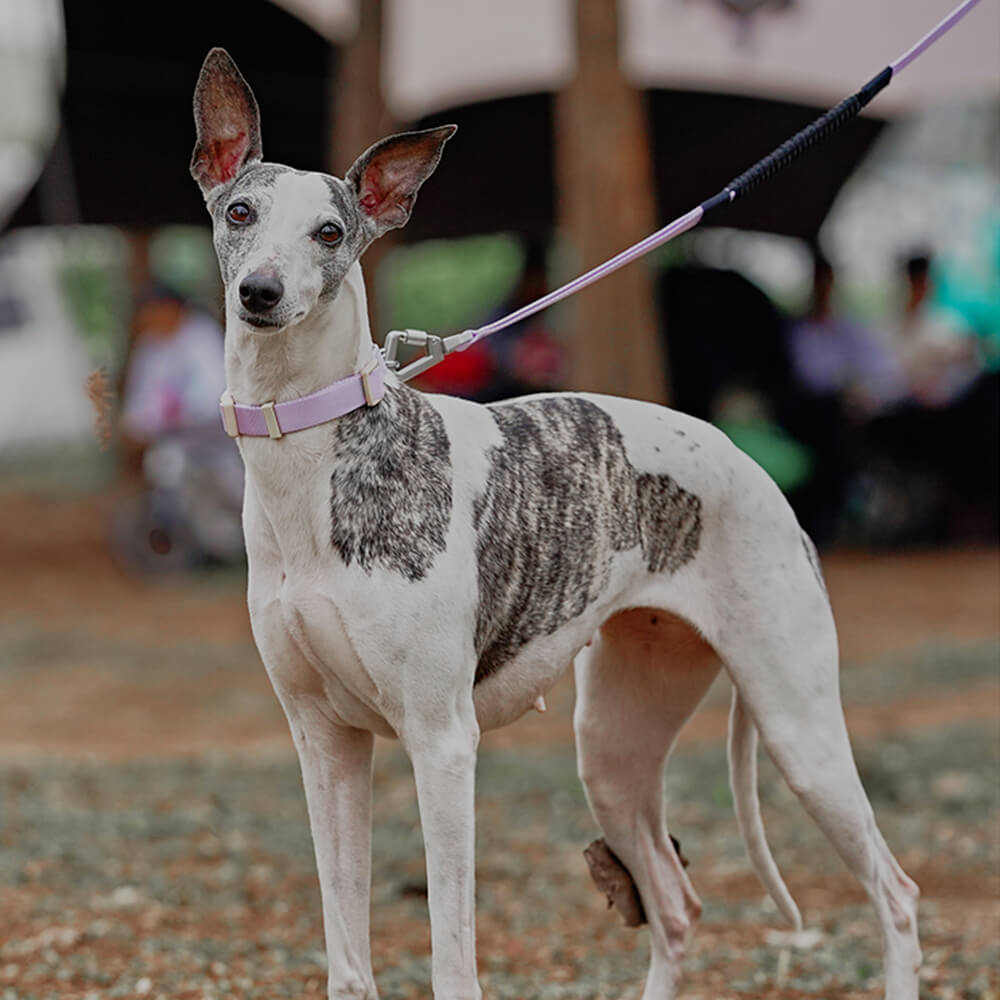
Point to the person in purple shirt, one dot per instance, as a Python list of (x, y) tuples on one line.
[(834, 355), (842, 377)]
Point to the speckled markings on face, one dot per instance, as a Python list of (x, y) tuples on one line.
[(230, 241), (303, 201), (391, 493), (560, 500)]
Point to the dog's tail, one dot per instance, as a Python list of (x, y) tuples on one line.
[(743, 780)]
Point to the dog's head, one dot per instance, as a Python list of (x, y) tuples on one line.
[(286, 238)]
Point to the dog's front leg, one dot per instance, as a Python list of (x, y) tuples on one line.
[(336, 767), (444, 766)]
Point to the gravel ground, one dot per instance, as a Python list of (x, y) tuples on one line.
[(194, 878), (153, 838)]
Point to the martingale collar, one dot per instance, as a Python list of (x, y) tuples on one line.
[(275, 420)]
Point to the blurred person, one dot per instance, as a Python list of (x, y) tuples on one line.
[(938, 352), (836, 356), (842, 376), (183, 476), (522, 359), (947, 427), (173, 374)]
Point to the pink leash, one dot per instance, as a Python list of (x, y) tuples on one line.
[(438, 347), (366, 388)]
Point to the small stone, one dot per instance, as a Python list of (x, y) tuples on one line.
[(798, 940), (126, 895)]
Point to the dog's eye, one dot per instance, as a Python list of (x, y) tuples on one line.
[(239, 212), (330, 234)]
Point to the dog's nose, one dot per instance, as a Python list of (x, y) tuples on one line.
[(261, 291)]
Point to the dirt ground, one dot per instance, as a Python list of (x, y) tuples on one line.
[(152, 829)]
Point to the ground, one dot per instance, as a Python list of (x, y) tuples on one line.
[(153, 838)]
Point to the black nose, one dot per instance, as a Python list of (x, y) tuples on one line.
[(261, 291)]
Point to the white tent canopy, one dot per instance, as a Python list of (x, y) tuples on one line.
[(814, 51), (31, 77), (440, 53)]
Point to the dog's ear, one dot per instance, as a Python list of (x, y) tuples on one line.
[(227, 121), (387, 177)]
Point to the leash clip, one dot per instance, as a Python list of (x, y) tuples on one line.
[(435, 349)]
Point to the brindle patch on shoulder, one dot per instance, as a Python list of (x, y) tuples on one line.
[(391, 496), (560, 500)]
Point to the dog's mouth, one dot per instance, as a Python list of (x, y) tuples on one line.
[(267, 323), (260, 322)]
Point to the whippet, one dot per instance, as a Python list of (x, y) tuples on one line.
[(425, 568)]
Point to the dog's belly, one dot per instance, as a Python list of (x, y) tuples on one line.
[(506, 695), (508, 692)]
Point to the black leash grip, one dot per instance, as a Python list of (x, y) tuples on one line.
[(811, 135)]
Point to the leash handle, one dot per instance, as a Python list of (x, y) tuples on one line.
[(828, 123), (806, 138)]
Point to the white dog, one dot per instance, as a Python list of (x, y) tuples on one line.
[(425, 568)]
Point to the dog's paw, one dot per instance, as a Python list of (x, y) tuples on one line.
[(352, 990)]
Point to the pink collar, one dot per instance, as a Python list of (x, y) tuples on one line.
[(274, 420)]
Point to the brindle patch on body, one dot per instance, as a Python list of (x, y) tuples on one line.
[(560, 500), (391, 495)]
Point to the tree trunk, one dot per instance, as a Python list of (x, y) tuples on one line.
[(361, 118), (606, 202)]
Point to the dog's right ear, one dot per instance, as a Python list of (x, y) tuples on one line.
[(227, 121)]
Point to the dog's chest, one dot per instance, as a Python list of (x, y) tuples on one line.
[(373, 489)]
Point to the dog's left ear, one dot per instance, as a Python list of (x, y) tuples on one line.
[(227, 120), (387, 177)]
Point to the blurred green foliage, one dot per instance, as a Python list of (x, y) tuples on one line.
[(90, 264), (443, 285)]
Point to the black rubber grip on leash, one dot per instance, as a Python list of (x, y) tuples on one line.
[(811, 135)]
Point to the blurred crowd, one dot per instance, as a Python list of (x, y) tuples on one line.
[(901, 421), (878, 435)]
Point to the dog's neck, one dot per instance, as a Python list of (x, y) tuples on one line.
[(334, 341)]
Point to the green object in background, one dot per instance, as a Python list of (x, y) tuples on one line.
[(786, 461), (444, 285), (970, 289)]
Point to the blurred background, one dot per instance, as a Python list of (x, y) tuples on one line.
[(841, 325)]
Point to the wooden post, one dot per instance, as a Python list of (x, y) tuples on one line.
[(606, 202), (360, 117)]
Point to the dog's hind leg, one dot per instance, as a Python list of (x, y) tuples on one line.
[(637, 684), (780, 646)]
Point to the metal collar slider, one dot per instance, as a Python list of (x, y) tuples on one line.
[(228, 407), (372, 398), (270, 419)]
